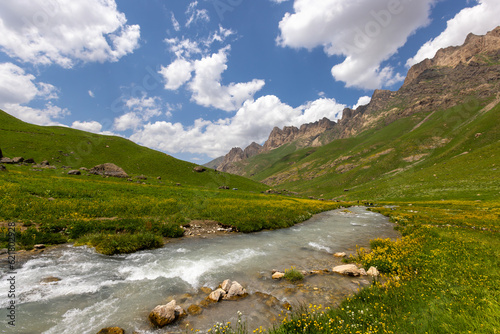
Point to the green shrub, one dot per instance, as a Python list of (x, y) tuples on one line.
[(293, 275)]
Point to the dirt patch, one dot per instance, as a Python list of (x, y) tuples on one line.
[(206, 228)]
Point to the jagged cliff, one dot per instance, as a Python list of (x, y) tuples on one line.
[(450, 78)]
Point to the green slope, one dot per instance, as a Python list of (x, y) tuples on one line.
[(75, 148), (407, 159)]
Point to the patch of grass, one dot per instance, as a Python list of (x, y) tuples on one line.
[(293, 275), (111, 244)]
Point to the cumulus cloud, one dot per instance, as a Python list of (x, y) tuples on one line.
[(18, 88), (477, 20), (177, 73), (139, 110), (65, 31), (43, 116), (207, 89), (253, 122), (363, 101), (365, 32), (91, 126)]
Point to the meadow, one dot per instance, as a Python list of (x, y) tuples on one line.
[(119, 216)]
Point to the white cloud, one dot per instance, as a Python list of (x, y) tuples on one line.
[(44, 116), (140, 110), (278, 1), (207, 89), (363, 101), (195, 14), (177, 73), (91, 126), (65, 31), (175, 23), (365, 32), (91, 94), (477, 20), (183, 48), (18, 88), (253, 122)]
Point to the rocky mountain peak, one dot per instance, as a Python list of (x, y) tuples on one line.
[(470, 52)]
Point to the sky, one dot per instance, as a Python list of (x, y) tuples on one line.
[(195, 78)]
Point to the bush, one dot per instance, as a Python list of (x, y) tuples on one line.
[(293, 275)]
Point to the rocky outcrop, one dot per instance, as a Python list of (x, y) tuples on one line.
[(471, 52), (307, 132), (236, 155), (108, 169), (74, 172), (199, 169), (163, 315)]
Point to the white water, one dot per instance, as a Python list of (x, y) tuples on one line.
[(99, 291)]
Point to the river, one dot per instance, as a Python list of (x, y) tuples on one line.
[(97, 291)]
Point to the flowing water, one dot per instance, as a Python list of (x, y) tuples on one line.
[(97, 291)]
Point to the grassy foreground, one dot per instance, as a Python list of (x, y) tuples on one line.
[(117, 216)]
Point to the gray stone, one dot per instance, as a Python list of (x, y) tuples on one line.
[(217, 295), (236, 291), (163, 315), (74, 172), (109, 169)]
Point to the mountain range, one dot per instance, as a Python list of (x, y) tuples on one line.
[(444, 97)]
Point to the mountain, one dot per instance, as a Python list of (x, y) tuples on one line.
[(447, 110), (63, 146), (306, 135)]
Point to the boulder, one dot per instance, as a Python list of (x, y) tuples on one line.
[(111, 330), (6, 160), (199, 169), (226, 285), (236, 291), (85, 169), (44, 163), (17, 160), (108, 169), (362, 271), (29, 161), (340, 254), (39, 246), (74, 172), (163, 315), (347, 269), (217, 295), (278, 275), (373, 272)]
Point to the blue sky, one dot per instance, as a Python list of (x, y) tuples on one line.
[(196, 78)]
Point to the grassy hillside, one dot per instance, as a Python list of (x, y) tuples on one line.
[(445, 154), (69, 147)]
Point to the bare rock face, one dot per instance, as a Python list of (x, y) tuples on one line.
[(237, 154), (163, 315), (468, 53), (108, 169)]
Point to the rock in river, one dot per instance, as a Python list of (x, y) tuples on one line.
[(163, 315)]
